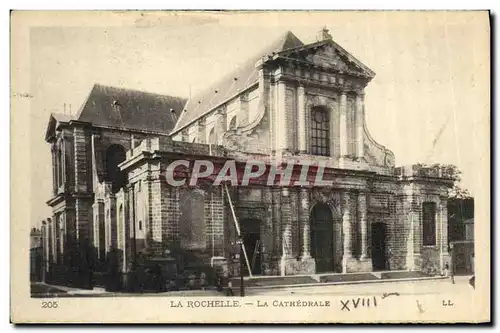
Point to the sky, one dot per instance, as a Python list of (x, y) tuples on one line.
[(431, 83)]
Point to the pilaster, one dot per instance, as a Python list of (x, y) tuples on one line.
[(359, 125), (363, 223), (50, 231), (305, 222), (276, 220), (286, 219), (414, 243), (346, 228), (99, 230), (268, 233), (443, 237), (282, 118), (301, 125), (343, 124), (110, 222)]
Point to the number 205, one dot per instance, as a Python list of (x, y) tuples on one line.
[(49, 305)]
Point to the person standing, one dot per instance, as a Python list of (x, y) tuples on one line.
[(229, 289)]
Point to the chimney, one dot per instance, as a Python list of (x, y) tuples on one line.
[(323, 34)]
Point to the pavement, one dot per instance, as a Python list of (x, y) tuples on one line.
[(341, 284), (402, 287), (266, 282)]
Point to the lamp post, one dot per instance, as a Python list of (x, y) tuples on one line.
[(242, 287)]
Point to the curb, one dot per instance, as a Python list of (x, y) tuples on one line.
[(283, 286), (345, 283)]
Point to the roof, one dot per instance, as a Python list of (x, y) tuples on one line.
[(54, 121), (230, 85), (131, 109)]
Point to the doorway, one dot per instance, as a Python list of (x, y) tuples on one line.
[(250, 230), (379, 239), (322, 237)]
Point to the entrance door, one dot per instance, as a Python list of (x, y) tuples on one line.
[(322, 237), (250, 230), (379, 238)]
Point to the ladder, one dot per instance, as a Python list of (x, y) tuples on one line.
[(238, 230)]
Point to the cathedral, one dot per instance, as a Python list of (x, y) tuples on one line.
[(294, 105)]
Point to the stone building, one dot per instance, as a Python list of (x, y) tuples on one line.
[(294, 104)]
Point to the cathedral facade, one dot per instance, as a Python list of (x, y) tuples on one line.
[(292, 106)]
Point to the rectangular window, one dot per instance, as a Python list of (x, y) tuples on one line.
[(320, 132), (429, 223)]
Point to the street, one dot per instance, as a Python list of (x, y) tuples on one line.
[(424, 287)]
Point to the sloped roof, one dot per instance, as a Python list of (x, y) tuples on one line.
[(243, 77), (131, 109), (54, 121), (62, 118)]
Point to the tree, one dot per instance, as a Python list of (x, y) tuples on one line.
[(450, 171)]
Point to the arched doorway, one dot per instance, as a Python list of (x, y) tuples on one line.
[(115, 154), (250, 230), (322, 249), (379, 239)]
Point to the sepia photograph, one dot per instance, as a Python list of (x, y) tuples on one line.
[(300, 166)]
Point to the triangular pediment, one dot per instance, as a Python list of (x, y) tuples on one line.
[(54, 121), (329, 55)]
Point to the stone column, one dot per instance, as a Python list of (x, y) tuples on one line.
[(276, 219), (301, 110), (304, 222), (414, 243), (110, 222), (343, 124), (359, 125), (62, 234), (346, 228), (267, 237), (363, 224), (98, 209), (286, 222)]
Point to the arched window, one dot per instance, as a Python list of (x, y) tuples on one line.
[(211, 137), (115, 154), (320, 131), (232, 123)]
